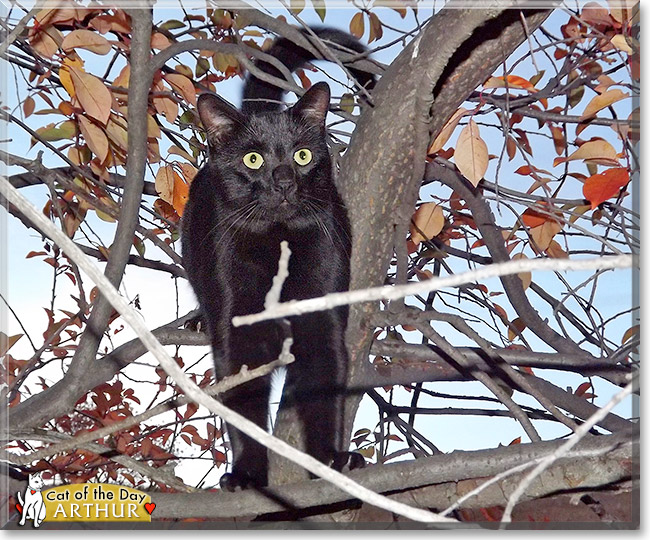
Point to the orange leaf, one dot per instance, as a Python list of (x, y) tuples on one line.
[(86, 39), (427, 222), (533, 218), (93, 95), (600, 187), (511, 81), (601, 101), (471, 154), (159, 41), (95, 137), (7, 342), (183, 86)]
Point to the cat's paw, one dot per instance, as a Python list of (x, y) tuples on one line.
[(236, 482), (196, 324), (348, 461)]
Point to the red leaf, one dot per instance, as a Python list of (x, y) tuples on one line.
[(600, 187)]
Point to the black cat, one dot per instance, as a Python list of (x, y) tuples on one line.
[(268, 179)]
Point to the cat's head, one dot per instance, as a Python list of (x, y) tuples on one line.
[(271, 167), (35, 481)]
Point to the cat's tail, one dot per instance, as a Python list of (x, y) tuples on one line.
[(261, 96), (20, 498)]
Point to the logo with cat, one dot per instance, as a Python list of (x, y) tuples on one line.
[(31, 504)]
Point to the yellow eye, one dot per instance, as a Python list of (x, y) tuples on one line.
[(302, 156), (253, 160)]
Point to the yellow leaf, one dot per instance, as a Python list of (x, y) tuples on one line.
[(93, 95), (445, 132), (601, 101), (621, 44), (64, 73), (471, 155), (165, 105), (95, 137), (86, 39), (427, 222), (183, 86)]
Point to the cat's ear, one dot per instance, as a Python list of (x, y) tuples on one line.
[(217, 116), (314, 104)]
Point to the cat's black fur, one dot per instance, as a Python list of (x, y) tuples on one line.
[(233, 224)]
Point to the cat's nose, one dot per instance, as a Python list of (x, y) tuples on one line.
[(284, 179)]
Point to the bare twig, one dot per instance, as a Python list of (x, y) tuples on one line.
[(191, 389), (332, 300), (574, 439)]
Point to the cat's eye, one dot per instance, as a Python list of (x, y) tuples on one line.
[(302, 156), (253, 160)]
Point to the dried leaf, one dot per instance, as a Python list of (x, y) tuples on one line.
[(93, 95), (601, 101), (597, 151), (94, 136), (28, 106), (183, 86), (7, 342), (357, 25), (526, 277), (543, 234), (427, 222), (471, 155), (88, 40), (446, 131), (515, 328), (376, 29), (630, 333), (600, 187), (159, 41), (558, 139)]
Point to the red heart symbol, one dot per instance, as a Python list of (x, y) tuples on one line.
[(150, 507), (19, 507), (33, 491)]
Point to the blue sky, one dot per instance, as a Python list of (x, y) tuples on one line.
[(29, 283)]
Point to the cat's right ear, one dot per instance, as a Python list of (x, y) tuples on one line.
[(217, 116)]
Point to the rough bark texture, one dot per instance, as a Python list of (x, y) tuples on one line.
[(454, 53)]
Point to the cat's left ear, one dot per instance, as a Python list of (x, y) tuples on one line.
[(217, 116), (314, 105)]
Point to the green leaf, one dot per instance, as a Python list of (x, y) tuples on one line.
[(296, 6), (319, 7), (347, 103), (172, 24)]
